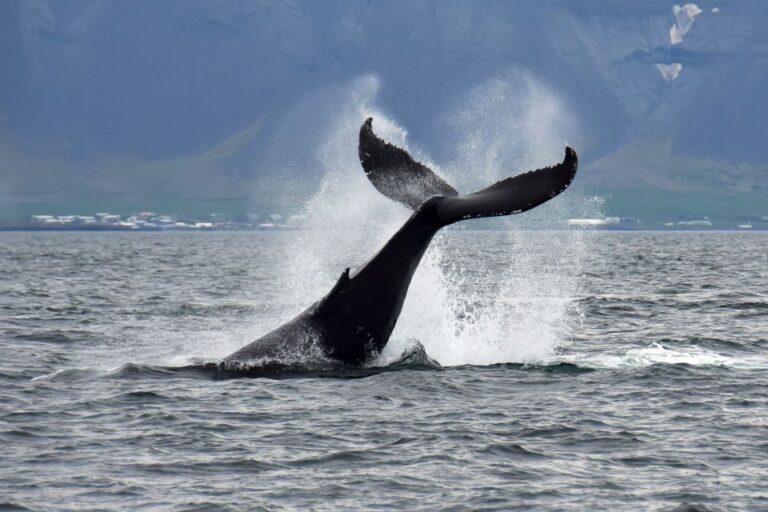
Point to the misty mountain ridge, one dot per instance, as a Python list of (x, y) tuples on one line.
[(148, 102)]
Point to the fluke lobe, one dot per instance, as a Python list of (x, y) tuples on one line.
[(354, 321)]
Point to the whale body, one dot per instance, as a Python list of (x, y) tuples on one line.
[(354, 321)]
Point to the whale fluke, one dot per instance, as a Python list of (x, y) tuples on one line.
[(395, 174), (398, 176), (512, 195)]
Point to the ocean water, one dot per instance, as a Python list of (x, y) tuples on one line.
[(545, 370)]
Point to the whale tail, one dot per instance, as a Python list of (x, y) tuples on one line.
[(396, 175)]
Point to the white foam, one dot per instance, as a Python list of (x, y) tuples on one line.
[(657, 353)]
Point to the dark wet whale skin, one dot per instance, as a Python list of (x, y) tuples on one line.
[(354, 321)]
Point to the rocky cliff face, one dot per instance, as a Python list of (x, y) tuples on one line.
[(196, 92)]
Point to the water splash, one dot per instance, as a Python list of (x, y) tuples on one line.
[(519, 307), (347, 220), (512, 304), (504, 126), (514, 308)]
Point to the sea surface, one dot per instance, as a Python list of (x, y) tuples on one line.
[(542, 370)]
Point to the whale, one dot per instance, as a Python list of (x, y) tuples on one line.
[(353, 322)]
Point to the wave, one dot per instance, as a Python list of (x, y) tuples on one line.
[(55, 336), (667, 352), (678, 298), (659, 354)]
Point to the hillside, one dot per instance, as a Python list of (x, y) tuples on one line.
[(148, 103)]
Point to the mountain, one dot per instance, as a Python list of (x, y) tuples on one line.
[(179, 102)]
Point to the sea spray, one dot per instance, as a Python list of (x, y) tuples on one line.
[(516, 307), (347, 220)]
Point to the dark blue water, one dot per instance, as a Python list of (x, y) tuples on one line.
[(553, 371)]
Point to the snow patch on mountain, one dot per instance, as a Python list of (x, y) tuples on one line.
[(684, 15), (670, 72)]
